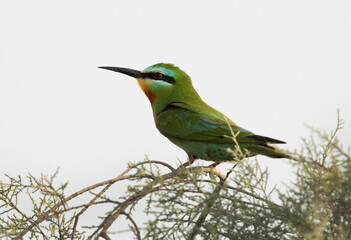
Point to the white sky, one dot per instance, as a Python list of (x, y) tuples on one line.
[(270, 66)]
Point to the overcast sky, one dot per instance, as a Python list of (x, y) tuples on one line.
[(270, 66)]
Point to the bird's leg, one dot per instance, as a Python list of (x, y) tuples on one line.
[(215, 164), (190, 161)]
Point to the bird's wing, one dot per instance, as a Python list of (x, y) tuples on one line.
[(177, 121)]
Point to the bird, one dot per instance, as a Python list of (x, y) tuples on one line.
[(187, 121)]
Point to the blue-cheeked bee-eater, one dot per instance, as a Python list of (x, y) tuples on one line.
[(186, 120)]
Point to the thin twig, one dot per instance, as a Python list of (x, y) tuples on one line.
[(146, 190), (87, 206), (134, 224), (13, 206), (208, 205), (156, 162), (46, 214)]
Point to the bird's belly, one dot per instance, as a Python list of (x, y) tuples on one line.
[(206, 151)]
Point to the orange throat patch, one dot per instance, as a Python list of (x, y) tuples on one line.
[(145, 87)]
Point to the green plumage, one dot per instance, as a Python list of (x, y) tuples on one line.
[(187, 121), (209, 138)]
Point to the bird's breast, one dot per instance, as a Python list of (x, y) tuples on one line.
[(146, 89)]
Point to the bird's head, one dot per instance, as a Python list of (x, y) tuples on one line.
[(162, 83)]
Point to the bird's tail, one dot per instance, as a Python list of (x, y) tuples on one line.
[(268, 151)]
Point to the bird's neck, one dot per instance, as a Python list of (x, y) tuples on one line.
[(187, 96)]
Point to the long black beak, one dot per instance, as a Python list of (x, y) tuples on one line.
[(130, 72)]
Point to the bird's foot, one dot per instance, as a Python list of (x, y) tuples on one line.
[(214, 165), (190, 161)]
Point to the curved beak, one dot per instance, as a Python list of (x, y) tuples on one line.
[(127, 71)]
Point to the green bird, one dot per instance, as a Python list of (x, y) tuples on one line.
[(186, 120)]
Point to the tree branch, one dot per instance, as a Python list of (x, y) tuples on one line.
[(46, 214)]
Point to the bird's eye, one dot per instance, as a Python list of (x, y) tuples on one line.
[(157, 75)]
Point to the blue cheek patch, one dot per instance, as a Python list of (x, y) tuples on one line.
[(156, 86)]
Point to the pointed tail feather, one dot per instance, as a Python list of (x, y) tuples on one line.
[(263, 139), (268, 151)]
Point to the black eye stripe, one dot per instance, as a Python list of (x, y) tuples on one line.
[(164, 78)]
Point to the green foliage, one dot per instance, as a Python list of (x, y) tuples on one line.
[(41, 195), (318, 206), (194, 202)]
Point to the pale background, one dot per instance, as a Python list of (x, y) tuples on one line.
[(270, 66)]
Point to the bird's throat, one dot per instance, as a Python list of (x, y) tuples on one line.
[(145, 87)]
